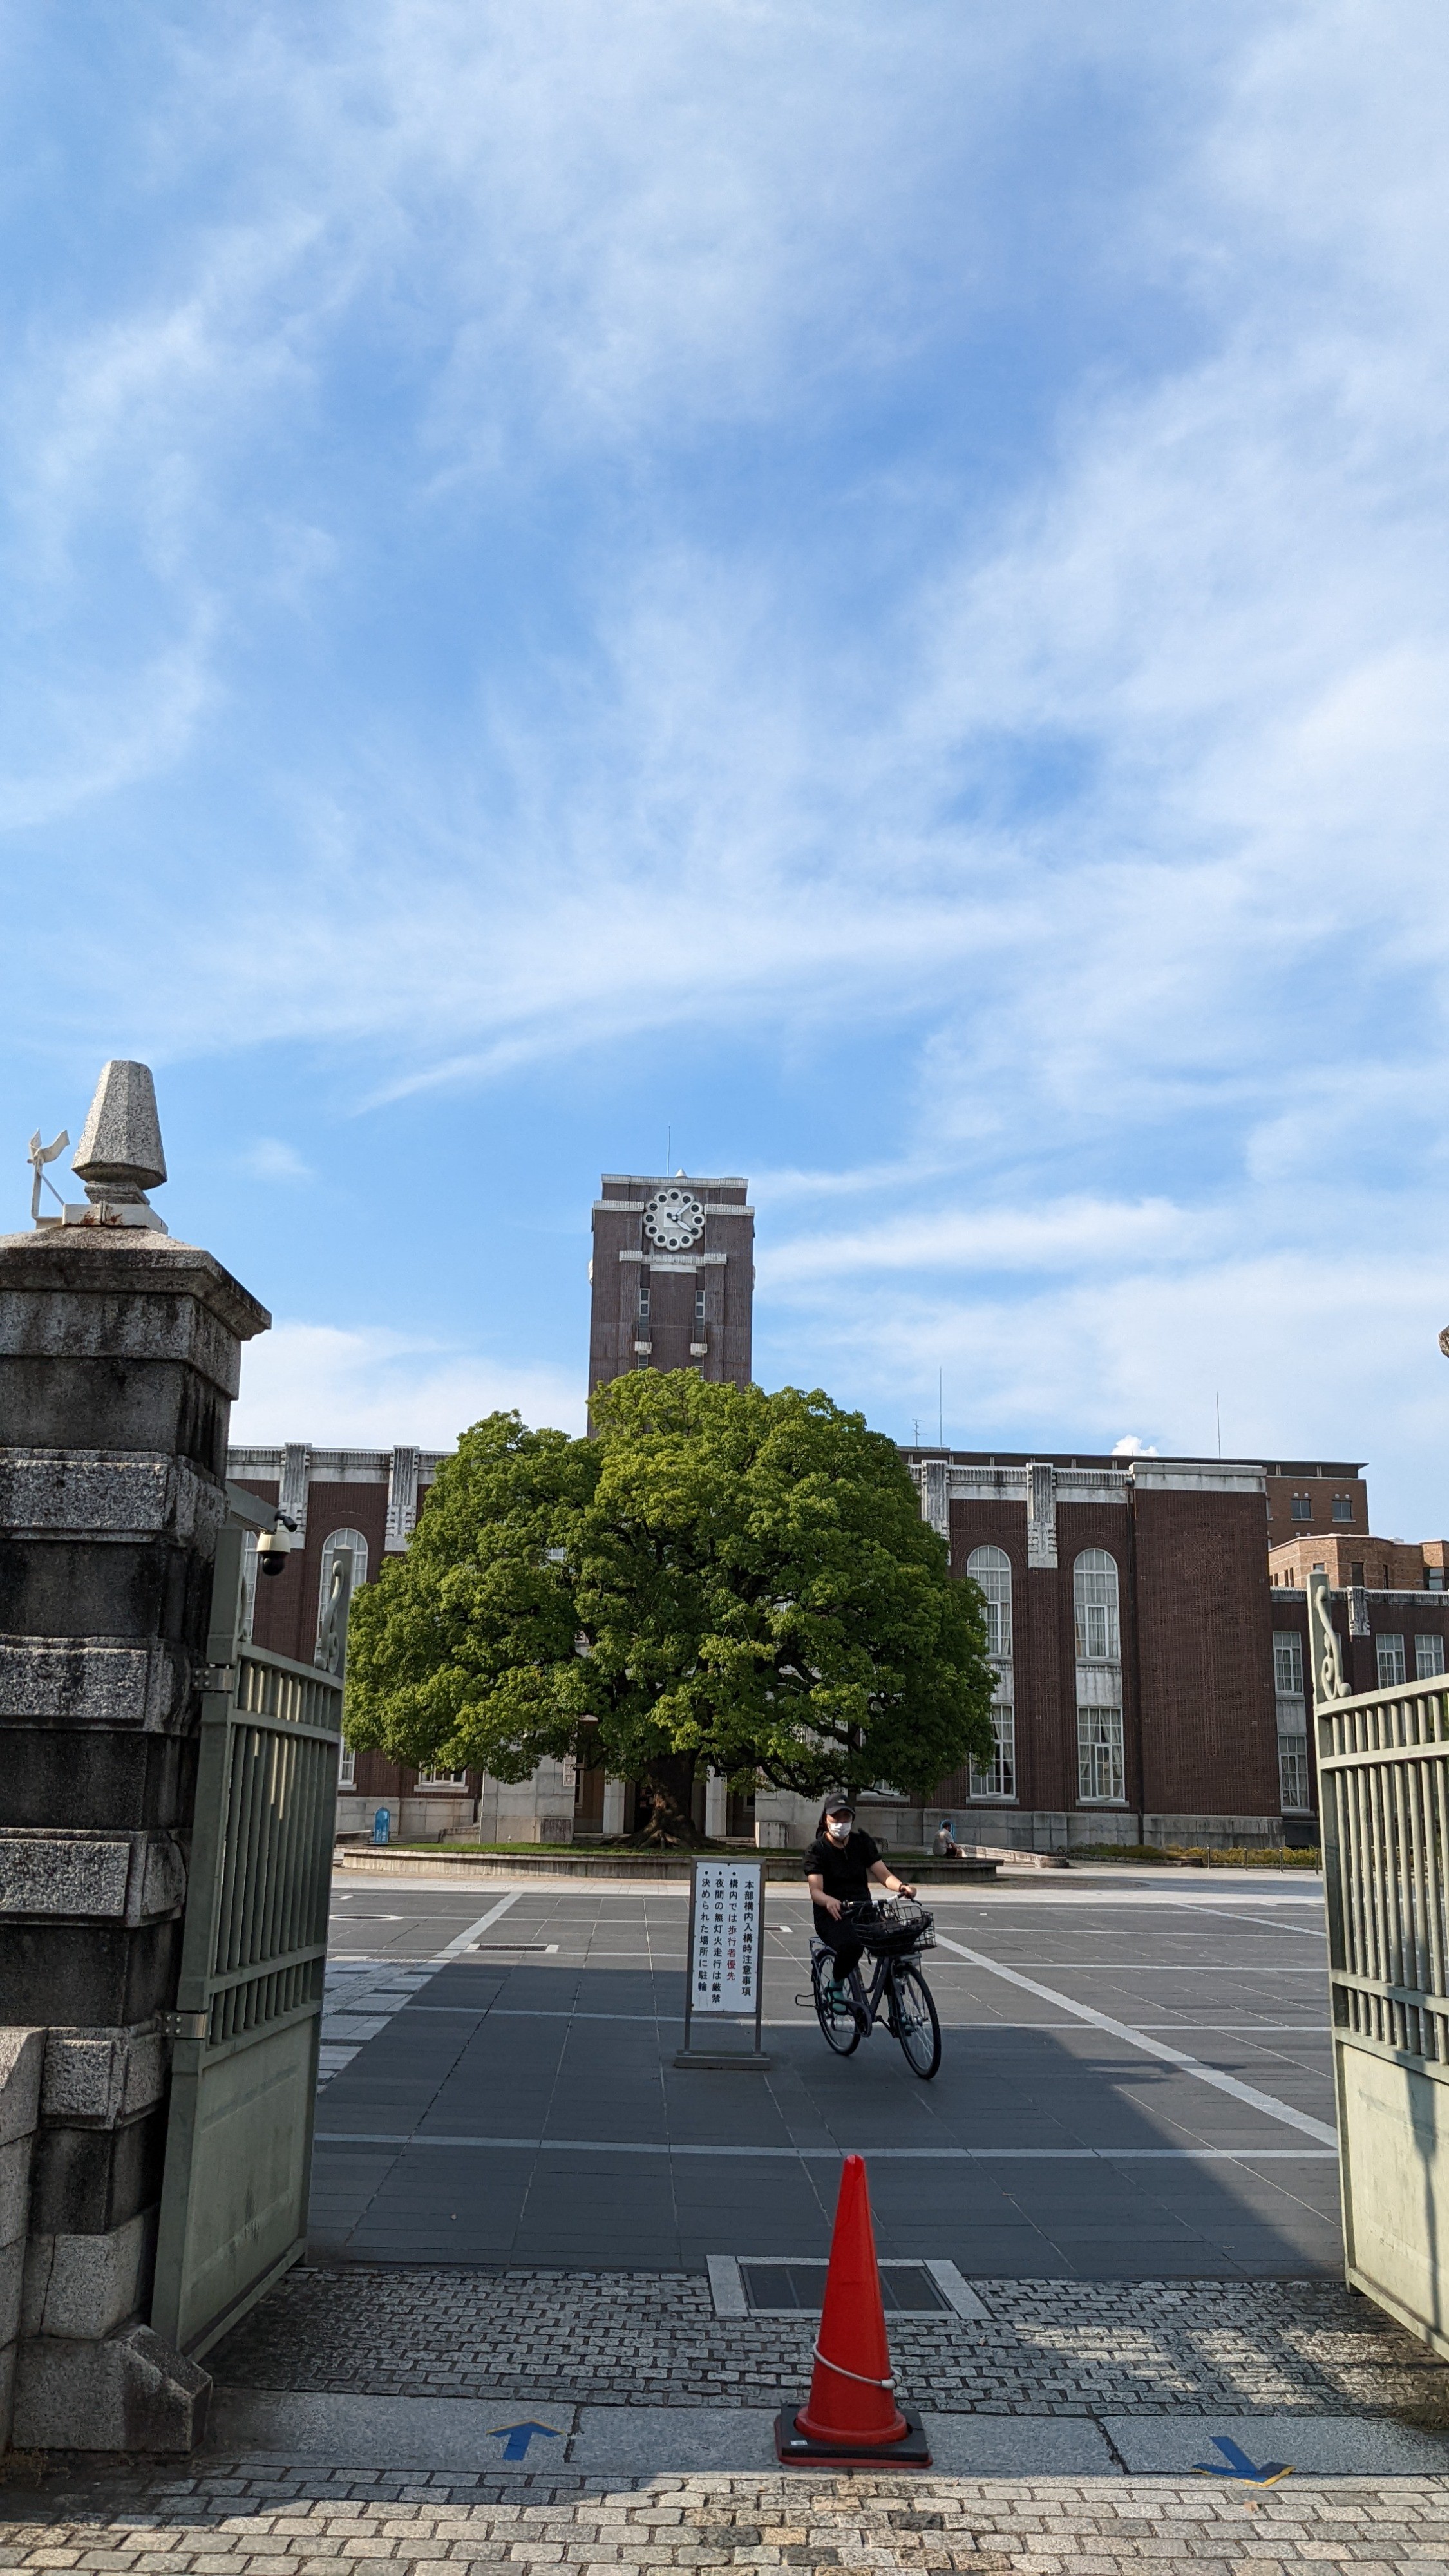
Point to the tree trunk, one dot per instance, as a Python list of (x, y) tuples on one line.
[(665, 1792)]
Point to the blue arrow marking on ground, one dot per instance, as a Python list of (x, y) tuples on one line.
[(1240, 2466), (519, 2437)]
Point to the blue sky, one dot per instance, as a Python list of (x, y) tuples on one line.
[(862, 585)]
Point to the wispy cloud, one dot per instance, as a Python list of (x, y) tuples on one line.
[(272, 1159), (900, 557), (1065, 1236), (374, 1388), (1073, 1360)]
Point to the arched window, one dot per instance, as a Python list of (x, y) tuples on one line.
[(330, 1545), (1094, 1593), (991, 1568)]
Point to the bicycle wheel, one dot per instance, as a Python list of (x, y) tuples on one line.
[(837, 2020), (913, 2019)]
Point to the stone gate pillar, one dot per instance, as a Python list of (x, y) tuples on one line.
[(119, 1356)]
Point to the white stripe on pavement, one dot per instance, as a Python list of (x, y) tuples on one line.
[(1249, 2093), (355, 2008), (812, 2155), (455, 1947)]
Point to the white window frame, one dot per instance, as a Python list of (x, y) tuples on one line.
[(335, 1539), (1101, 1757), (1293, 1791), (990, 1568), (450, 1783), (1288, 1663), (1096, 1605), (347, 1768), (1428, 1657), (1390, 1660)]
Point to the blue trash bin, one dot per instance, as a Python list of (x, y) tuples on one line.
[(382, 1825)]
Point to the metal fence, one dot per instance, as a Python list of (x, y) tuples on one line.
[(246, 2027), (1383, 1769)]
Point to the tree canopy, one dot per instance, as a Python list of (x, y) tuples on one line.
[(719, 1579)]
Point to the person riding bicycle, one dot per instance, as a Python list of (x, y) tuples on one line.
[(839, 1867)]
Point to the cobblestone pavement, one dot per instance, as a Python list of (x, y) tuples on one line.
[(1046, 2347), (1059, 2527)]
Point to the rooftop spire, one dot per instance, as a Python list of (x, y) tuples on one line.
[(119, 1156)]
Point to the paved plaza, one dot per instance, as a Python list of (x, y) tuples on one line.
[(306, 2526), (528, 2335), (1135, 2084)]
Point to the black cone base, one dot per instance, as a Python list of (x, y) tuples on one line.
[(797, 2451)]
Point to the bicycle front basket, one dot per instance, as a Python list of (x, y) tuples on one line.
[(899, 1925)]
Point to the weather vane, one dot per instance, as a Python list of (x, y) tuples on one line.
[(38, 1156)]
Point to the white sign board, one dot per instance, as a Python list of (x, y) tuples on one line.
[(724, 1967)]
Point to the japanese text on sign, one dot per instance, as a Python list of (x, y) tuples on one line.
[(725, 1967)]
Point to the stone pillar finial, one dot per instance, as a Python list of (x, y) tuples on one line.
[(119, 1156)]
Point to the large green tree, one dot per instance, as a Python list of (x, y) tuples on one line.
[(720, 1579)]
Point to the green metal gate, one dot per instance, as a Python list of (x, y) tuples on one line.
[(248, 2018), (1383, 1770)]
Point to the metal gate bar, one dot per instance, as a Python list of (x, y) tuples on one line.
[(1383, 1770), (247, 2023)]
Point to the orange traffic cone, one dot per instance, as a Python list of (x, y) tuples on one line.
[(852, 2415)]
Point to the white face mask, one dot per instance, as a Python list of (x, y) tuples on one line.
[(838, 1828)]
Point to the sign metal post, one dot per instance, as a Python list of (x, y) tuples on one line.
[(724, 1973)]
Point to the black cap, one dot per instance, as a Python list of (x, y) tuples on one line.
[(839, 1807)]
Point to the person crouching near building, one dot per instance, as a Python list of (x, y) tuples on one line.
[(841, 1865)]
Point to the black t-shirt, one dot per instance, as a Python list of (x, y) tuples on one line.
[(844, 1868)]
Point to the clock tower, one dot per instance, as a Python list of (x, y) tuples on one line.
[(673, 1276)]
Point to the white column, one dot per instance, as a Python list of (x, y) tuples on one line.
[(613, 1806), (716, 1806)]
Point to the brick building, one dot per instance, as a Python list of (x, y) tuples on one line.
[(1390, 1605), (1379, 1564), (1129, 1623), (1145, 1638), (1150, 1652), (367, 1500), (1314, 1499), (672, 1277)]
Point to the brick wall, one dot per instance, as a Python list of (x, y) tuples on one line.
[(1319, 1486), (1381, 1564), (1205, 1647), (717, 1264)]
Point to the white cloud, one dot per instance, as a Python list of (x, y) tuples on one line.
[(271, 1159), (1091, 744), (1329, 1352), (368, 1388), (1064, 1235)]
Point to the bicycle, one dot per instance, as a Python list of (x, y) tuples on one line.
[(894, 1934)]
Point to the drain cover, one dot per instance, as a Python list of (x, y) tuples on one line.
[(788, 2288)]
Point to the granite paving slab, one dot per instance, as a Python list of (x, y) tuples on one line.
[(642, 2336)]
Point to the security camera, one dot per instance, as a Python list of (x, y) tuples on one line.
[(274, 1546)]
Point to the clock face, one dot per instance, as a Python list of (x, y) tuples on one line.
[(674, 1219)]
